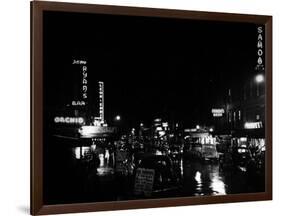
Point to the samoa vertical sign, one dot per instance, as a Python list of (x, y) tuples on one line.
[(260, 49)]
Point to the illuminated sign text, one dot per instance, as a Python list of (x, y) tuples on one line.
[(69, 120)]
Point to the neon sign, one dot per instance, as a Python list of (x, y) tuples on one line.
[(84, 82), (218, 112), (78, 103), (68, 120), (260, 53), (253, 125)]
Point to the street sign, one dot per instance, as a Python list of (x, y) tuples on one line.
[(144, 181)]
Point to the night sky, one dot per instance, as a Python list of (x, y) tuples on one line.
[(151, 67)]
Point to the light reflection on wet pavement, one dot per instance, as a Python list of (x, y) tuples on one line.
[(201, 178), (198, 178), (206, 178)]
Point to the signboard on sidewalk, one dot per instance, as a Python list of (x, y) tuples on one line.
[(144, 181)]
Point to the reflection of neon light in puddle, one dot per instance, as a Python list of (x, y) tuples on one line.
[(198, 177), (199, 183), (217, 185), (181, 167)]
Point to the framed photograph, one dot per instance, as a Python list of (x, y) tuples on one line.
[(141, 107)]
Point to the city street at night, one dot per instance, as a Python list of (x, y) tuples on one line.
[(160, 111), (178, 175)]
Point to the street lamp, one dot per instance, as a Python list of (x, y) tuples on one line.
[(118, 118), (259, 79)]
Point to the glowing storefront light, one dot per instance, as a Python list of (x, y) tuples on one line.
[(80, 152), (89, 130), (159, 129), (253, 125)]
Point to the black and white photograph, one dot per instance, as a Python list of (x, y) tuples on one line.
[(139, 107)]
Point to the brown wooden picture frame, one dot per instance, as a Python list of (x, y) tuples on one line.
[(37, 106)]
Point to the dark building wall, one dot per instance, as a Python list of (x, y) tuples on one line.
[(242, 105)]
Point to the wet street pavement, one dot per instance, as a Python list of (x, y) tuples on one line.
[(198, 178), (75, 180), (205, 178)]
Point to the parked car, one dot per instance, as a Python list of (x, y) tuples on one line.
[(241, 157)]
